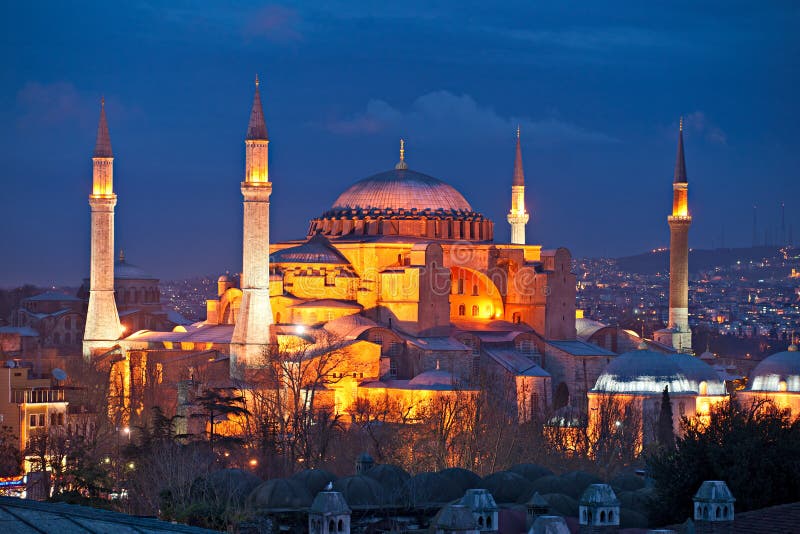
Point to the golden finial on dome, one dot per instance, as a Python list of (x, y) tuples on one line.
[(257, 82), (121, 255), (681, 124), (517, 131), (102, 101), (402, 163)]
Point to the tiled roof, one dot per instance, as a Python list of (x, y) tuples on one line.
[(24, 516)]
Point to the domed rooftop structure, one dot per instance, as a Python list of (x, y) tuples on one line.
[(127, 271), (316, 250), (778, 372), (279, 494), (644, 371), (314, 480), (507, 486), (437, 379), (461, 478), (360, 491), (403, 202), (402, 189)]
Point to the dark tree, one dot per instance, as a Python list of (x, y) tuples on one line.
[(666, 437), (753, 448), (219, 404), (10, 455)]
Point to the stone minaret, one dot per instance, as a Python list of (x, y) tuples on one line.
[(518, 217), (102, 321), (251, 333), (679, 223)]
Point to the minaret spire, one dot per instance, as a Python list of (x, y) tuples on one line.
[(257, 127), (102, 320), (251, 334), (677, 334), (680, 161), (518, 217)]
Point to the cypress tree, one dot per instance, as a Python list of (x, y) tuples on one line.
[(666, 437)]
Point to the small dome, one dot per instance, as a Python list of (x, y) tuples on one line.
[(648, 372), (360, 491), (599, 495), (714, 491), (435, 379), (530, 471), (391, 478), (280, 494), (401, 188), (314, 480), (429, 488), (549, 524), (463, 479), (507, 486), (224, 278), (455, 517), (128, 271), (225, 484), (778, 370), (316, 250)]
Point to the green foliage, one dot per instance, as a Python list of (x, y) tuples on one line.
[(754, 449), (666, 437), (217, 404)]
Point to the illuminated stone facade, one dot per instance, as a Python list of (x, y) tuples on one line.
[(398, 294)]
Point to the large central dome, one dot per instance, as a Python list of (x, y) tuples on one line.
[(402, 189)]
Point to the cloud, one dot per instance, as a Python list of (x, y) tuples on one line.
[(698, 122), (274, 23), (443, 114)]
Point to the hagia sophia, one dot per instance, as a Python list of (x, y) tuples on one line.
[(397, 294)]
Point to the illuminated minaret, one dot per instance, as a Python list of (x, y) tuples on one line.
[(518, 217), (251, 333), (679, 223), (102, 321)]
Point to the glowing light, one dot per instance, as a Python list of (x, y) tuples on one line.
[(131, 465), (300, 329), (126, 430), (107, 460), (253, 462)]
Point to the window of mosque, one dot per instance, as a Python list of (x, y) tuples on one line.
[(460, 286), (32, 421), (462, 310), (475, 290), (68, 323), (41, 419), (392, 368)]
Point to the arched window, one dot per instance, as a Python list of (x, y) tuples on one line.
[(489, 521), (703, 388), (705, 512), (590, 517), (584, 515), (480, 521), (462, 310), (474, 290), (719, 512), (341, 525), (610, 516), (332, 526), (725, 512), (460, 286), (67, 338), (603, 516), (474, 311)]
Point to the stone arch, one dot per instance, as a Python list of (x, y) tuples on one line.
[(483, 292), (462, 309), (340, 525), (480, 521), (229, 305), (718, 512), (332, 526), (602, 516), (610, 516), (489, 521)]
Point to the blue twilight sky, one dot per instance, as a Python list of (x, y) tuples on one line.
[(598, 88)]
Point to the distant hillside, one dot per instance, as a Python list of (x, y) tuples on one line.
[(699, 260)]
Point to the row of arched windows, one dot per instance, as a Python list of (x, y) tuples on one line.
[(141, 295)]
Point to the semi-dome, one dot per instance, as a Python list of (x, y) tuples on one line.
[(402, 189), (648, 372), (316, 250), (779, 372)]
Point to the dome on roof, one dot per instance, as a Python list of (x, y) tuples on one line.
[(391, 478), (778, 372), (434, 379), (507, 486), (280, 494), (128, 271), (647, 372), (316, 250), (429, 488), (314, 480), (463, 479), (224, 278), (360, 490), (531, 471), (402, 189)]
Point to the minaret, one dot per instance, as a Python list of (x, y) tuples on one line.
[(518, 217), (102, 321), (679, 223), (251, 333)]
